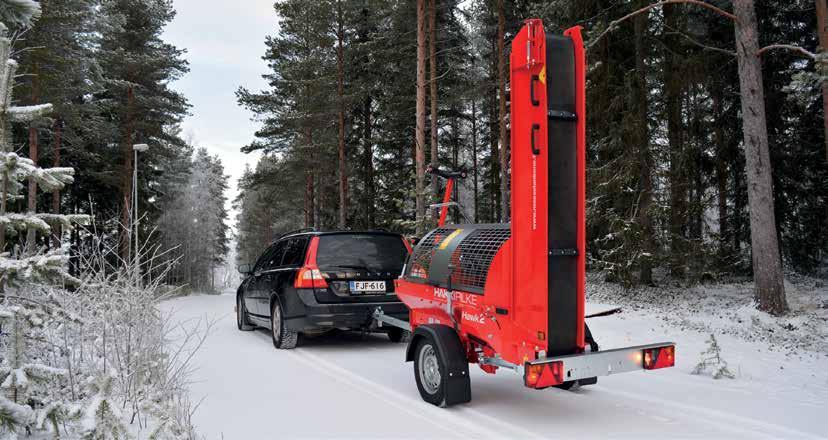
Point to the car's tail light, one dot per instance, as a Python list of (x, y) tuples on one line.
[(661, 357), (543, 375), (310, 278)]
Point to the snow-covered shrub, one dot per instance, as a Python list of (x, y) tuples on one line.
[(99, 361), (102, 417), (712, 362)]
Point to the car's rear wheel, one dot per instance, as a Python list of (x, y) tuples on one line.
[(283, 338), (241, 316), (429, 371)]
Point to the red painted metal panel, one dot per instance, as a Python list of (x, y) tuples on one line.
[(446, 200), (529, 185)]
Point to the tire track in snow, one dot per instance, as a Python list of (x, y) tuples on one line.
[(414, 406), (731, 422), (452, 427)]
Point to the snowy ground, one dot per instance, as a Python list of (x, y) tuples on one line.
[(345, 386)]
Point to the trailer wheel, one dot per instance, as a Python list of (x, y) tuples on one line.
[(429, 371), (282, 337)]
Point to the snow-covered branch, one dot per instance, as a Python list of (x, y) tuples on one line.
[(28, 113)]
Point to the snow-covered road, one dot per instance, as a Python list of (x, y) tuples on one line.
[(346, 386)]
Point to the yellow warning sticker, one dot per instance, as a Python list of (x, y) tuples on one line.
[(542, 75), (450, 237)]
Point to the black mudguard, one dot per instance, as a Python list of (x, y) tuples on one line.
[(458, 385)]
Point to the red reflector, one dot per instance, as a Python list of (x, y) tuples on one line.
[(543, 375), (661, 357)]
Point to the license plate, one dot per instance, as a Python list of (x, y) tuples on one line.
[(367, 286)]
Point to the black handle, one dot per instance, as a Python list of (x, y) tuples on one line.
[(446, 174), (535, 102), (535, 127)]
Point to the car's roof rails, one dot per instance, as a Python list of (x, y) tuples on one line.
[(297, 231)]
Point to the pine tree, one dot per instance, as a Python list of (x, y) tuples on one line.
[(19, 12), (137, 67), (712, 361)]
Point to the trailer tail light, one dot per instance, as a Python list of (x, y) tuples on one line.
[(661, 357), (543, 375), (310, 278)]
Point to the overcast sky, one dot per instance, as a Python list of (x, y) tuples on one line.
[(224, 42)]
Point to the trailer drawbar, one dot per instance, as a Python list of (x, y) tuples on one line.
[(512, 295)]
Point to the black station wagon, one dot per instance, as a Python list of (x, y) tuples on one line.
[(311, 282)]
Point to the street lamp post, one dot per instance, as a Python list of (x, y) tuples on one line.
[(136, 149)]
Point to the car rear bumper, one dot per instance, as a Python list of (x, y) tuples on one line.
[(304, 312)]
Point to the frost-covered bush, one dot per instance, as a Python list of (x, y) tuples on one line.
[(98, 361), (712, 362)]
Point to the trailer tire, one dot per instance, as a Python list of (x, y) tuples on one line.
[(439, 347), (430, 372)]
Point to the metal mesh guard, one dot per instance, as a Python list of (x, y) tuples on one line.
[(473, 257), (421, 260)]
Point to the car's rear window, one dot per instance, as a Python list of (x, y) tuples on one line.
[(378, 253)]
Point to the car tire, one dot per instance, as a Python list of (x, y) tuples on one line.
[(396, 334), (241, 316), (429, 372), (283, 338)]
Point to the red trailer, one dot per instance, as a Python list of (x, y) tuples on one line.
[(512, 295)]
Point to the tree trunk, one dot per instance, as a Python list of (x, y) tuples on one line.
[(340, 71), (767, 266), (56, 232), (310, 205), (419, 149), (31, 233), (696, 188), (678, 185), (474, 160), (501, 83), (455, 156), (644, 218), (432, 64), (494, 155), (368, 166), (126, 180), (308, 199), (721, 166), (822, 33)]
